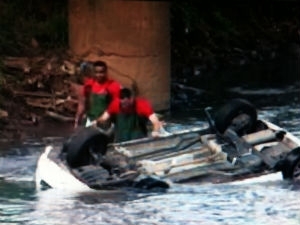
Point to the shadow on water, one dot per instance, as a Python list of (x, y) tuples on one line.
[(17, 199), (21, 190)]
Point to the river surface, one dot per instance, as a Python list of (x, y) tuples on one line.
[(267, 201)]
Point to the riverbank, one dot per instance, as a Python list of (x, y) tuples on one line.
[(19, 130)]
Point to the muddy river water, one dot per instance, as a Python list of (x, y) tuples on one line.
[(268, 201)]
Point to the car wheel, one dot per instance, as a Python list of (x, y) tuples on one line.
[(290, 166), (238, 113), (150, 183), (82, 147)]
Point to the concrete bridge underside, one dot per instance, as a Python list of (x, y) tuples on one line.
[(133, 37)]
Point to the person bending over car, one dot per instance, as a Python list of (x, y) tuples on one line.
[(130, 115)]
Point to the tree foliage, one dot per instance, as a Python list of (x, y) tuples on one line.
[(22, 21)]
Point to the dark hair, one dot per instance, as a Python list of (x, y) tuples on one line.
[(100, 63), (125, 93), (86, 68)]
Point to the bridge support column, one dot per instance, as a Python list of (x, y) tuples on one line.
[(133, 37)]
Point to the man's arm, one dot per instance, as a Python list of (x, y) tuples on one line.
[(110, 111), (114, 90), (83, 102), (80, 110), (157, 125), (104, 117)]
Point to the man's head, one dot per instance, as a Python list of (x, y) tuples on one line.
[(100, 71), (126, 99)]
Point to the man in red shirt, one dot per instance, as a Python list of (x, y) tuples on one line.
[(130, 115), (98, 91)]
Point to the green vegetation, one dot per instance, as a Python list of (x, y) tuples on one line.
[(210, 30), (28, 23), (202, 32), (22, 21)]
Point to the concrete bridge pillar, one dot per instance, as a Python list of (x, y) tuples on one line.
[(133, 37)]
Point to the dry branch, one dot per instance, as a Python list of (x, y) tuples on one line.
[(59, 117), (34, 94), (39, 103), (47, 84), (20, 63)]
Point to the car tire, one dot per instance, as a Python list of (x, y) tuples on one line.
[(225, 115), (290, 166), (150, 183), (79, 146)]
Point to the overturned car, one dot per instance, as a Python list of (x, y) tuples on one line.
[(235, 145)]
